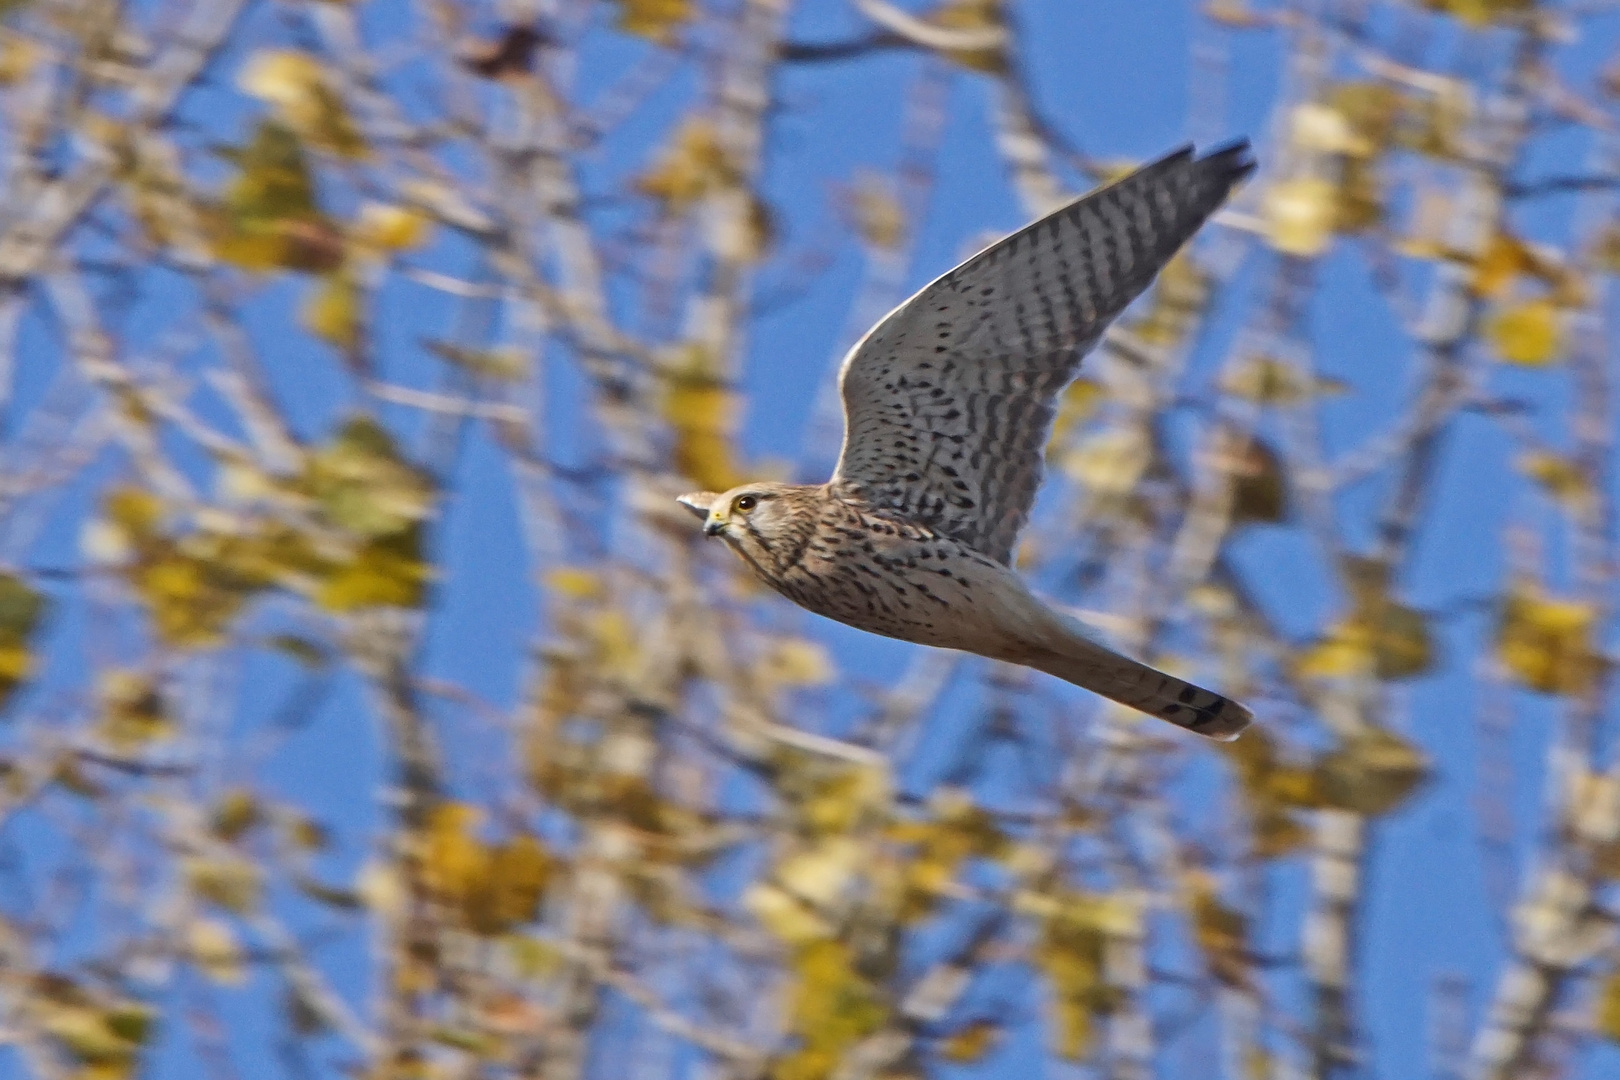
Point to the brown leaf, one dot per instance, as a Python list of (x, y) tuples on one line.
[(1259, 493)]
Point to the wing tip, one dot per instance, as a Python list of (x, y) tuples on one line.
[(1231, 161)]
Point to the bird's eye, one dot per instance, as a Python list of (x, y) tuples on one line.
[(747, 503)]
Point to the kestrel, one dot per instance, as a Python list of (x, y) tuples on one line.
[(948, 404)]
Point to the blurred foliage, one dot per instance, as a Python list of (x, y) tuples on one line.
[(302, 281)]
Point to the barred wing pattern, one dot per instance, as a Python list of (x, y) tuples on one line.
[(948, 402)]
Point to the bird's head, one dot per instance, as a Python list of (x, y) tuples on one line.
[(762, 521)]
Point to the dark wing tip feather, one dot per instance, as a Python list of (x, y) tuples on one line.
[(1217, 173), (1231, 162)]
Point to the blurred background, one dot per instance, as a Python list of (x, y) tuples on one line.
[(371, 709)]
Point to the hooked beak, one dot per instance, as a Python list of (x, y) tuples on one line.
[(715, 525)]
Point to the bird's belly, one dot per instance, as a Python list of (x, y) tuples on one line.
[(950, 599)]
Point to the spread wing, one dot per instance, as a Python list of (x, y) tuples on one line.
[(948, 402)]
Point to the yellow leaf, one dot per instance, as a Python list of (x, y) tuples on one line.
[(694, 165), (139, 513), (1072, 953), (1529, 333), (503, 364), (236, 813), (190, 597), (215, 950), (1322, 128), (1270, 381), (18, 56), (1277, 832), (1562, 477), (1481, 13), (1071, 1028), (1401, 641), (1110, 462), (797, 663), (388, 571), (333, 310), (1371, 772), (879, 217), (305, 98), (1546, 644), (1436, 122), (575, 583), (268, 218), (21, 609), (1075, 405), (132, 709), (614, 641), (832, 1006), (364, 484), (840, 802), (1381, 637), (1608, 1007), (702, 411), (239, 483), (1505, 257), (1234, 15), (656, 20), (1182, 290), (1273, 789), (784, 915), (233, 883), (1301, 216), (278, 76), (1345, 652), (971, 1043), (452, 857), (387, 228), (1221, 932), (1359, 200), (1372, 109), (379, 887), (105, 1036), (821, 874), (507, 885), (974, 15)]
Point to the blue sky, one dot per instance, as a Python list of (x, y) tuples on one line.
[(1115, 77)]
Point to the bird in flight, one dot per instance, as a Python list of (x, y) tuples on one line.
[(948, 404)]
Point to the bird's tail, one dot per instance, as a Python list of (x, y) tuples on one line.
[(1118, 678)]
